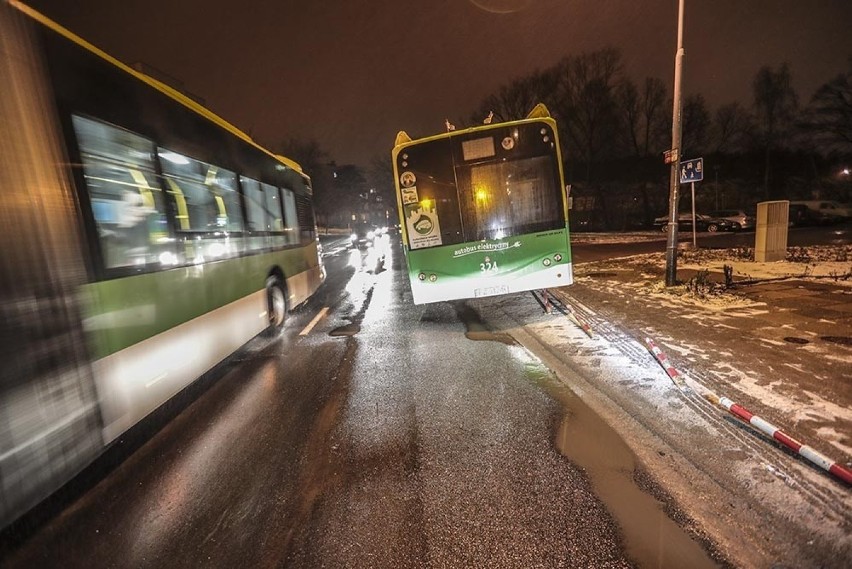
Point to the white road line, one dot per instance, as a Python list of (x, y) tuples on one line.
[(313, 322)]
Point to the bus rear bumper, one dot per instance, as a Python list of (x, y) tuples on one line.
[(453, 288)]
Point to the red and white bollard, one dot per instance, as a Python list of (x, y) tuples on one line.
[(766, 427), (802, 449), (664, 361)]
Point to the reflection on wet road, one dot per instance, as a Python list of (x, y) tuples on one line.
[(387, 435)]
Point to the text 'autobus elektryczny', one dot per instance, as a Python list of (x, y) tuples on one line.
[(483, 210), (145, 240)]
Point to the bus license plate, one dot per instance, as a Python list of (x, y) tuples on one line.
[(490, 291)]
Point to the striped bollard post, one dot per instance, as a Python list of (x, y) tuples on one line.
[(664, 361), (583, 326), (801, 449)]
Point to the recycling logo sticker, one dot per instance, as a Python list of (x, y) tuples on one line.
[(421, 220), (423, 225)]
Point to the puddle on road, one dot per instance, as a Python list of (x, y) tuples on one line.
[(346, 330), (355, 320), (652, 538), (475, 329)]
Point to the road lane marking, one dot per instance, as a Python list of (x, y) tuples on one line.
[(313, 322)]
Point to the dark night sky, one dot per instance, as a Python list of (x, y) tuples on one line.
[(351, 73)]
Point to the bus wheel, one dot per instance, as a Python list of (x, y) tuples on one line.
[(276, 304)]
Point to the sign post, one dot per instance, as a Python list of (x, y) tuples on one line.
[(692, 171)]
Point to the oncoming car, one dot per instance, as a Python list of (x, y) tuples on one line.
[(363, 235)]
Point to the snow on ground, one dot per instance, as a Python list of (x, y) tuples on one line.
[(627, 237), (829, 263), (639, 280)]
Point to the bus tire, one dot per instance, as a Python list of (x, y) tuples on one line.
[(276, 305)]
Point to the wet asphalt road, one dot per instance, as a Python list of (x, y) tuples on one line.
[(384, 437)]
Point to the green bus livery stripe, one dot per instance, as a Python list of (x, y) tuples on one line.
[(121, 312), (513, 256)]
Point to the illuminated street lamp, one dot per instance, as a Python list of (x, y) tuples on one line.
[(674, 181)]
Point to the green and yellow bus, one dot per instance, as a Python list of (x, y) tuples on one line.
[(145, 240), (483, 211)]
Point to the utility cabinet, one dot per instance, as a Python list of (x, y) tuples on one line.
[(770, 237)]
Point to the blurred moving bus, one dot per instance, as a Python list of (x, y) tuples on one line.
[(145, 240), (483, 211)]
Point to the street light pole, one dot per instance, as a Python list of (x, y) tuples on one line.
[(674, 182)]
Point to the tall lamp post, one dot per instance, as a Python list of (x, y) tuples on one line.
[(674, 182)]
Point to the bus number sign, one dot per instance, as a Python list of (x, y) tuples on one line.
[(488, 266)]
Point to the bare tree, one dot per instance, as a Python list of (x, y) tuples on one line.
[(653, 113), (828, 118), (627, 98), (643, 114), (308, 153), (775, 104), (731, 123), (696, 125), (517, 99), (586, 103)]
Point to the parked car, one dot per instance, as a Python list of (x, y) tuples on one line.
[(801, 215), (830, 210), (741, 219), (702, 223)]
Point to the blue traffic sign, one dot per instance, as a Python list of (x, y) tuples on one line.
[(692, 170)]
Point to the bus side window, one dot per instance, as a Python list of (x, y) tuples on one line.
[(274, 214), (210, 219), (291, 219), (127, 205), (256, 223)]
